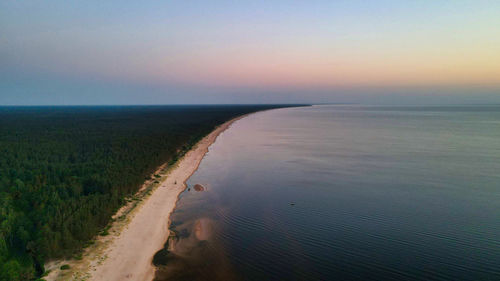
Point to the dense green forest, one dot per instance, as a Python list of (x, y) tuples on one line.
[(65, 170)]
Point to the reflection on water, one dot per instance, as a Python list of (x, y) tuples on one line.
[(191, 251), (193, 255), (344, 193)]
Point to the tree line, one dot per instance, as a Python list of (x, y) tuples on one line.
[(64, 171)]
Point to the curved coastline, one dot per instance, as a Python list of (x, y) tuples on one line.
[(125, 261), (128, 254)]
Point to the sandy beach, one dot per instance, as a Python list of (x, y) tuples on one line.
[(128, 254)]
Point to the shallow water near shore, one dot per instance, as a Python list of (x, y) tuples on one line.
[(344, 193)]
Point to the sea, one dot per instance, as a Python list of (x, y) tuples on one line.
[(344, 192)]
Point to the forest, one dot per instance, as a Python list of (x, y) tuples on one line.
[(64, 171)]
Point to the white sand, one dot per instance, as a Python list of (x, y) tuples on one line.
[(128, 255)]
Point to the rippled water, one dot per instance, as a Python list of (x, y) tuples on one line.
[(344, 193)]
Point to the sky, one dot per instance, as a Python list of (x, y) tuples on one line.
[(274, 51)]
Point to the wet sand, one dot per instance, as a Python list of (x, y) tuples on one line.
[(128, 255), (198, 187)]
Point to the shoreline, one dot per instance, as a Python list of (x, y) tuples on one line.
[(143, 225)]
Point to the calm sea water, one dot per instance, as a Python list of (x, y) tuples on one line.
[(344, 193)]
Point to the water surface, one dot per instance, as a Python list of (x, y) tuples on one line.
[(344, 193)]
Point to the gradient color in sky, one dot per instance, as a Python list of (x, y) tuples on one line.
[(161, 52)]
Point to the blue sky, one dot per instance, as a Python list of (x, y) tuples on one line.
[(170, 52)]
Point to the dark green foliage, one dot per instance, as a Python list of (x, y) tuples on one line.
[(65, 170)]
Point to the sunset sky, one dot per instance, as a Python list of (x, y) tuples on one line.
[(164, 52)]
